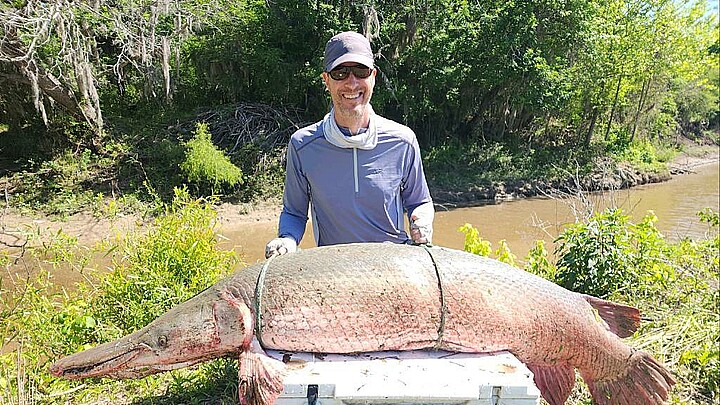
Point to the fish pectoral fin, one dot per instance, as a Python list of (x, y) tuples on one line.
[(260, 378), (554, 382)]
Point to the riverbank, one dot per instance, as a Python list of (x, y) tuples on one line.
[(19, 231), (606, 177)]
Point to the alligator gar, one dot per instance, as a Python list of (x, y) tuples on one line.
[(374, 297)]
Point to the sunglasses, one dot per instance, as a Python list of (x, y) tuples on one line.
[(342, 72)]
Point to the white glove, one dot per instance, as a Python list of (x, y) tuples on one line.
[(280, 246), (421, 223)]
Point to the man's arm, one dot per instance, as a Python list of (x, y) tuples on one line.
[(296, 200), (416, 198)]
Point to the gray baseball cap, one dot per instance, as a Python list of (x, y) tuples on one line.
[(348, 47)]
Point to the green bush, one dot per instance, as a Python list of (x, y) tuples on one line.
[(479, 246), (174, 260), (473, 242), (62, 185), (206, 166), (170, 264), (645, 156), (679, 298), (596, 257), (537, 262)]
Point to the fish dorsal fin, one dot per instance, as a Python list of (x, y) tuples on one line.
[(554, 382), (622, 320)]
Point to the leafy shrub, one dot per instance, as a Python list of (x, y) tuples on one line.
[(504, 254), (61, 185), (473, 242), (593, 256), (711, 217), (479, 246), (674, 285), (39, 320), (645, 156), (679, 296), (170, 264), (173, 261), (205, 165), (538, 263), (618, 140)]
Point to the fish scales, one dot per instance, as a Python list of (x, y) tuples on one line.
[(349, 303), (372, 297), (358, 301)]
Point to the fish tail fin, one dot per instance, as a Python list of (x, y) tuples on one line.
[(554, 382), (646, 382), (622, 320), (260, 378)]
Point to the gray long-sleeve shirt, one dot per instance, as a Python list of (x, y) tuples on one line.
[(355, 195)]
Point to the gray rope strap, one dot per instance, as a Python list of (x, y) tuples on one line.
[(259, 284), (443, 303)]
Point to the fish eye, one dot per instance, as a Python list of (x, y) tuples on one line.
[(162, 341)]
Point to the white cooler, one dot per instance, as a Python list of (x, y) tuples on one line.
[(415, 377)]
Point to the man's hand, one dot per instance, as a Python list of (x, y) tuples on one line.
[(280, 246), (421, 223)]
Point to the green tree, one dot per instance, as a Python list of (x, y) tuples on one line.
[(553, 72), (69, 52), (638, 57), (484, 70)]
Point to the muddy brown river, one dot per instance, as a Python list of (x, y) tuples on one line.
[(521, 222)]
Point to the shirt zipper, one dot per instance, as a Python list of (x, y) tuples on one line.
[(355, 169)]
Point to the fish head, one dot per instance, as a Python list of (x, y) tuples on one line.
[(195, 331)]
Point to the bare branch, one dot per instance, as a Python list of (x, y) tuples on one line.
[(261, 128), (56, 47)]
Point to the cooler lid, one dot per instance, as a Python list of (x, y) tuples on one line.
[(413, 377)]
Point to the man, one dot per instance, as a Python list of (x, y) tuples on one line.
[(356, 171)]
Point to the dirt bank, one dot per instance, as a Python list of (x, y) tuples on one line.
[(607, 176)]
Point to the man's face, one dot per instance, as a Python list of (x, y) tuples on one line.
[(351, 95)]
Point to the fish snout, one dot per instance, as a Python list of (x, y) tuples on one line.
[(56, 370), (103, 360)]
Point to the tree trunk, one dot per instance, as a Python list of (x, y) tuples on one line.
[(591, 127), (641, 102), (614, 106)]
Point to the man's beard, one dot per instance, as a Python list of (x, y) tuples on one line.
[(357, 112)]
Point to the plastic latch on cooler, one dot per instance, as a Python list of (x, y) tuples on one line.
[(312, 394)]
